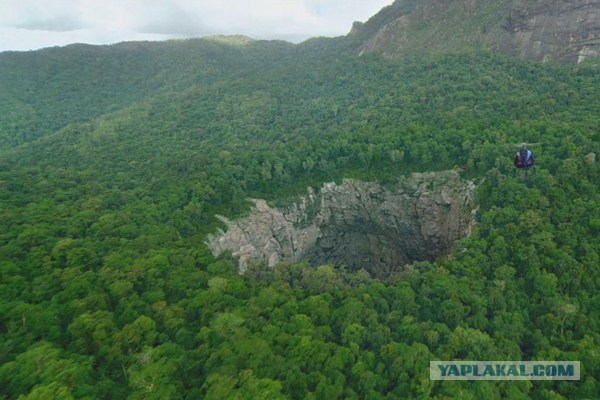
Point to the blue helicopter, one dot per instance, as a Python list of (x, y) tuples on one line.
[(524, 159)]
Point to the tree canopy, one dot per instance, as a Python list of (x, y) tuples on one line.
[(114, 161)]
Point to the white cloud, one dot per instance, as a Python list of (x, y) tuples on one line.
[(32, 24), (58, 23)]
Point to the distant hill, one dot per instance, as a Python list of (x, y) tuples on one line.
[(565, 32), (43, 91)]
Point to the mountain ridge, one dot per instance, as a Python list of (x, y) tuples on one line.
[(566, 32)]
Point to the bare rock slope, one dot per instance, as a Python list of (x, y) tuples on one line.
[(357, 224), (565, 31)]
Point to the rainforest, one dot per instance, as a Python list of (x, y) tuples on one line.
[(116, 160)]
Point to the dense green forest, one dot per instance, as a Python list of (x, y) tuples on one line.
[(115, 159)]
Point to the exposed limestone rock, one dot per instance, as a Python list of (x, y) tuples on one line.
[(565, 31), (357, 224)]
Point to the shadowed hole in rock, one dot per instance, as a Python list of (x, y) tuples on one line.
[(357, 225)]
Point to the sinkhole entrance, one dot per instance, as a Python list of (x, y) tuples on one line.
[(357, 224)]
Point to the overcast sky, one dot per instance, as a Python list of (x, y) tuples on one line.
[(33, 24)]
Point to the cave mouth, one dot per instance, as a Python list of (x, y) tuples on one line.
[(357, 224), (381, 230), (376, 249)]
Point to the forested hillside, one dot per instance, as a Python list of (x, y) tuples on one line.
[(46, 90), (114, 161)]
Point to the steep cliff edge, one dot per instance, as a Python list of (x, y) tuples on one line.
[(357, 224), (566, 31)]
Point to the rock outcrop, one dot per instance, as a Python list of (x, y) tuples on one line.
[(565, 31), (357, 224)]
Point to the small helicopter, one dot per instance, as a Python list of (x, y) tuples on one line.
[(524, 159)]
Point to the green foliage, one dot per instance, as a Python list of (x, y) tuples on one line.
[(107, 289)]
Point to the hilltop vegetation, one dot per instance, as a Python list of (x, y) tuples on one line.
[(46, 90), (107, 193)]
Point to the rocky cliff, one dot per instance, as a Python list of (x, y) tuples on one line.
[(565, 31), (357, 224)]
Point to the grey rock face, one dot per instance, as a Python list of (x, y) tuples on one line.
[(561, 31), (357, 224), (566, 31)]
